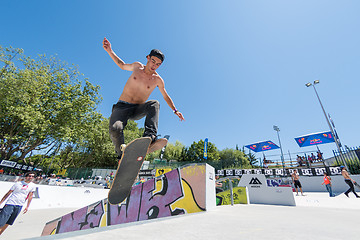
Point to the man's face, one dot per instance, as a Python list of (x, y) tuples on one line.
[(29, 178), (153, 63)]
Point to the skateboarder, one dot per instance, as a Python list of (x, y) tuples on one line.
[(133, 103)]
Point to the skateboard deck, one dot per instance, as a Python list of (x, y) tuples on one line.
[(157, 145), (129, 166)]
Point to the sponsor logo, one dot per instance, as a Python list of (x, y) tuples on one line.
[(257, 171), (229, 172), (238, 172), (319, 171), (335, 170), (255, 181), (279, 172), (306, 172), (247, 171), (211, 176)]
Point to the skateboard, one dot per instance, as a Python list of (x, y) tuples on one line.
[(129, 166), (157, 145)]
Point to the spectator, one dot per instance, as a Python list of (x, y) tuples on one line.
[(319, 156), (19, 193), (313, 158), (327, 182), (295, 178)]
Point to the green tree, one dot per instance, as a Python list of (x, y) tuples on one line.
[(232, 158), (43, 102), (251, 158), (195, 153), (174, 151)]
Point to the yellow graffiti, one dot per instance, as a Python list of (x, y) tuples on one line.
[(192, 171), (187, 202), (239, 196), (103, 222), (61, 172), (161, 171)]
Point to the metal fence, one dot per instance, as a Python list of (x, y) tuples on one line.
[(350, 156)]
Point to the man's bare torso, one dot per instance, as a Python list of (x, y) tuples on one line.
[(139, 86), (295, 176)]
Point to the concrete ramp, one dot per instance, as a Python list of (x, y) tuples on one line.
[(184, 190), (260, 193)]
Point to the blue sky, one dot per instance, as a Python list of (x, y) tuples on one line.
[(234, 68)]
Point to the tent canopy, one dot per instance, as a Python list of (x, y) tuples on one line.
[(315, 139), (262, 146)]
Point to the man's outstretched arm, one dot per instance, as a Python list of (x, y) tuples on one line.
[(168, 99), (115, 58)]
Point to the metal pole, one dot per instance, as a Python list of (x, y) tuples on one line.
[(277, 129), (231, 192), (331, 129)]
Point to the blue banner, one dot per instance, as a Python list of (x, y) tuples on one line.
[(315, 139), (262, 146), (205, 147)]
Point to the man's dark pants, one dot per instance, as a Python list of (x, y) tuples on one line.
[(124, 111)]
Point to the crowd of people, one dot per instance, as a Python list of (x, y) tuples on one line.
[(311, 158)]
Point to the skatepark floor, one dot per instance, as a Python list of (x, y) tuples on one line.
[(316, 216)]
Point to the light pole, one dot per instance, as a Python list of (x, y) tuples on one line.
[(328, 122), (277, 129)]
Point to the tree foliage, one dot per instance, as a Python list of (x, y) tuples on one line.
[(43, 102), (195, 153), (232, 158)]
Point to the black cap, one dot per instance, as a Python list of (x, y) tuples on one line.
[(157, 53)]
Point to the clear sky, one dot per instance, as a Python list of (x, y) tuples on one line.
[(234, 68)]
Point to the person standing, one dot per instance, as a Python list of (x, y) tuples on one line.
[(348, 181), (19, 193), (295, 178), (327, 182)]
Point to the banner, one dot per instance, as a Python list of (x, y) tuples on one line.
[(11, 164), (280, 171), (7, 163), (146, 173), (205, 148)]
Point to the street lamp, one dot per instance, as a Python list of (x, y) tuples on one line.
[(327, 120), (277, 129)]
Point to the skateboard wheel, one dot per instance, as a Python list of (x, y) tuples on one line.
[(122, 147)]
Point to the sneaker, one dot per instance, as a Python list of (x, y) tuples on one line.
[(346, 194)]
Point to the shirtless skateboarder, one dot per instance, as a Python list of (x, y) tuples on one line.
[(133, 103)]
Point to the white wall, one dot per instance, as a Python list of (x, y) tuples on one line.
[(210, 187), (61, 196), (313, 184)]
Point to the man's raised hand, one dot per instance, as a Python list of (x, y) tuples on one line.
[(106, 45)]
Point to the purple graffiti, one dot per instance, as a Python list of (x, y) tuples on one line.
[(143, 203), (81, 219)]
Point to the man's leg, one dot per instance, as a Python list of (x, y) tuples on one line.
[(2, 229), (352, 188), (150, 110), (348, 182), (118, 120)]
